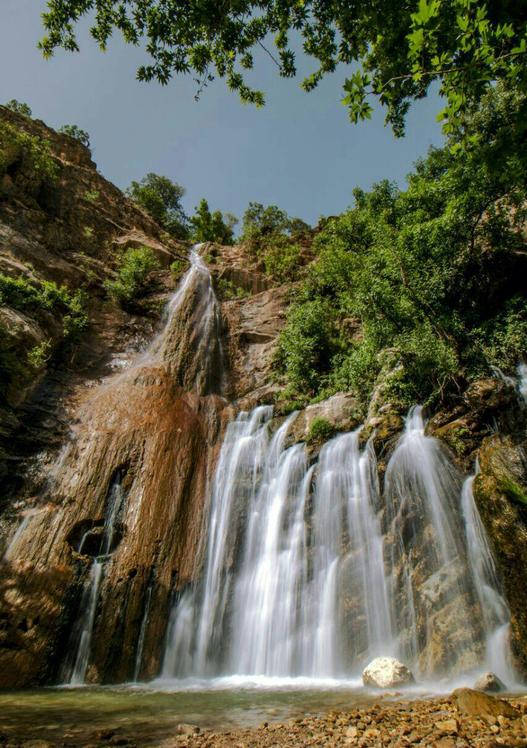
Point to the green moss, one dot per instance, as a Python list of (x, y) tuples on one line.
[(513, 490), (320, 430)]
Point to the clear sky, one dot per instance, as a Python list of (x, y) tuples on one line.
[(299, 152)]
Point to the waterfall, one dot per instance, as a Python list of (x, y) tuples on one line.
[(494, 611), (189, 344), (431, 585), (313, 570), (272, 598), (522, 382), (83, 629), (79, 646), (144, 624)]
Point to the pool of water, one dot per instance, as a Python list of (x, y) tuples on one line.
[(150, 714)]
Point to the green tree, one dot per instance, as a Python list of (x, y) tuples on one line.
[(427, 283), (19, 107), (161, 198), (212, 227), (397, 48), (75, 132)]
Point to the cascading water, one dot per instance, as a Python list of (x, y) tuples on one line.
[(311, 571), (189, 349), (190, 342), (494, 611), (522, 382), (77, 658)]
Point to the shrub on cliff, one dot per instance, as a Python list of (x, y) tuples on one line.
[(133, 274), (19, 107), (161, 198), (35, 296), (75, 132), (21, 151)]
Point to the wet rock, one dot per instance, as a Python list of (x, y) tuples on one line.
[(386, 672), (478, 704), (489, 682), (187, 729)]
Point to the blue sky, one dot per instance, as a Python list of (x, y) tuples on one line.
[(299, 152)]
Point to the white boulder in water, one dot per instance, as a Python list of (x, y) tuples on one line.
[(386, 672)]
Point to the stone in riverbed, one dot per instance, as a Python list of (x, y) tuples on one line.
[(386, 672), (185, 729), (478, 704), (489, 682)]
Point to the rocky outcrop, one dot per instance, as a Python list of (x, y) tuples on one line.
[(386, 672)]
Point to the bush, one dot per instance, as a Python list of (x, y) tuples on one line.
[(19, 107), (229, 290), (75, 132), (320, 430), (37, 296), (28, 151), (132, 274), (272, 236)]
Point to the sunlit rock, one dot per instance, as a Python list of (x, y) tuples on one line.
[(386, 672)]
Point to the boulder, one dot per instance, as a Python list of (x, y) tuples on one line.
[(478, 704), (490, 682), (386, 672)]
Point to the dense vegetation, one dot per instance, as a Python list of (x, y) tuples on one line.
[(161, 198), (424, 286), (398, 49)]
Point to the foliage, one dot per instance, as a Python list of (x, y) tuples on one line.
[(320, 430), (34, 296), (229, 290), (178, 267), (92, 195), (397, 49), (39, 355), (212, 227), (75, 132), (19, 107), (132, 275), (27, 151), (161, 198), (423, 284), (272, 236)]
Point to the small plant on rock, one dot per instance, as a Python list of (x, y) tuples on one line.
[(132, 275)]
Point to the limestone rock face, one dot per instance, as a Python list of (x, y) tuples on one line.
[(386, 672), (489, 682)]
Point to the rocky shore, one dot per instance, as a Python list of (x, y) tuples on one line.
[(466, 719)]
